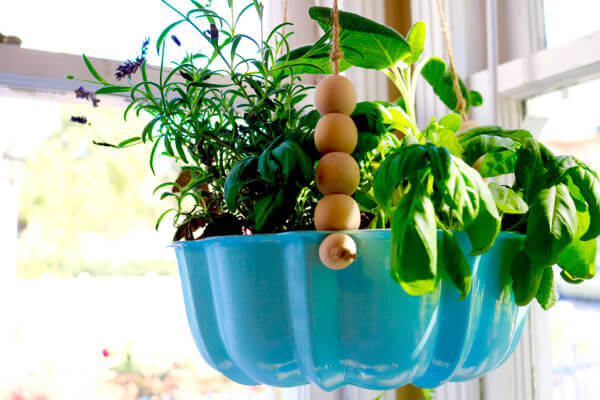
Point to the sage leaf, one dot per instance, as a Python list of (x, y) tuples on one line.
[(365, 43), (416, 40)]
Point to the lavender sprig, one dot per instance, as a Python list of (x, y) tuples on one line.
[(129, 68), (82, 93)]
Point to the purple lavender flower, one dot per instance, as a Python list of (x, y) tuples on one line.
[(129, 68), (79, 120), (214, 33), (82, 93), (176, 40)]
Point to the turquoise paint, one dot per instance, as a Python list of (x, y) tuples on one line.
[(264, 310)]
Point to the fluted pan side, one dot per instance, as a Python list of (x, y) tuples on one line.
[(263, 309)]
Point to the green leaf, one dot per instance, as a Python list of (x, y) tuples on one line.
[(447, 138), (507, 200), (367, 117), (551, 225), (579, 259), (526, 277), (237, 179), (498, 163), (414, 243), (485, 227), (451, 121), (547, 295), (162, 216), (440, 78), (311, 59), (365, 43), (475, 98), (130, 142), (395, 169), (416, 40), (266, 209), (461, 191), (529, 165), (483, 144), (365, 201), (586, 180), (397, 118), (456, 264), (569, 279), (114, 89), (93, 71)]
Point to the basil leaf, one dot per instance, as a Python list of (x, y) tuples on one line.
[(483, 144), (460, 192), (526, 277), (528, 165), (586, 180), (414, 243), (507, 200), (579, 259), (265, 209), (395, 169), (498, 163), (365, 43), (551, 225), (485, 227), (237, 179), (547, 295), (569, 279), (456, 264)]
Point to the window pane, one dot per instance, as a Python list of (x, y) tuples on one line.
[(112, 29), (569, 20), (569, 123), (96, 308)]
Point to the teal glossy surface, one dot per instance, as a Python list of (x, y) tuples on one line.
[(264, 310)]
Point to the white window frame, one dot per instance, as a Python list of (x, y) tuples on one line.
[(529, 69)]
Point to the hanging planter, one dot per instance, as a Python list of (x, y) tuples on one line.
[(264, 310), (430, 274)]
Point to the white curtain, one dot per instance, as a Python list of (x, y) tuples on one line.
[(370, 85)]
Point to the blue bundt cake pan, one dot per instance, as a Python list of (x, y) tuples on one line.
[(264, 310)]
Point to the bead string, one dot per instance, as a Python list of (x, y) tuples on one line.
[(461, 103), (336, 53)]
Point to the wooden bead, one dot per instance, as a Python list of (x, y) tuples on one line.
[(335, 94), (337, 251), (337, 173), (337, 212), (336, 132)]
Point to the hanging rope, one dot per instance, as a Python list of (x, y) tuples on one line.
[(285, 17), (336, 52), (461, 103)]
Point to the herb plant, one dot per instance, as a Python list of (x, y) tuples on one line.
[(242, 134)]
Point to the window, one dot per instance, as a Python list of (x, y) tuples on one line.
[(567, 122), (96, 307), (566, 21), (548, 84)]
